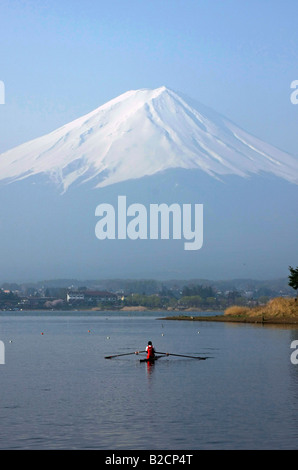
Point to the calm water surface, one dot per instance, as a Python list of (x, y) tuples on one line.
[(58, 391)]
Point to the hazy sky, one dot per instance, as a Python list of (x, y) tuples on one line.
[(61, 59)]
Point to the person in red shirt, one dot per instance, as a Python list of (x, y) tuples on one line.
[(150, 351)]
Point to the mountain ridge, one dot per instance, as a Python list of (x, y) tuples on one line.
[(141, 133)]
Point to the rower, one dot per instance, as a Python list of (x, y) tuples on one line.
[(150, 351)]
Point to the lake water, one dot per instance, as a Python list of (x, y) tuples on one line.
[(59, 392)]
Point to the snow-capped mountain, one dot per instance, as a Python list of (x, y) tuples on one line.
[(141, 133), (153, 147)]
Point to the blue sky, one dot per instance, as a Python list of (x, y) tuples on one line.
[(61, 59)]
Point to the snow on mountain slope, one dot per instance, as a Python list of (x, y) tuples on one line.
[(140, 133)]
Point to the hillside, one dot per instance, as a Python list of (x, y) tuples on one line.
[(141, 133)]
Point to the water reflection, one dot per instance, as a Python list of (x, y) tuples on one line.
[(245, 397), (150, 368)]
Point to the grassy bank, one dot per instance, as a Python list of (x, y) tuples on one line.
[(279, 310)]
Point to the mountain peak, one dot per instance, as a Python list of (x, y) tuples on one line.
[(140, 133)]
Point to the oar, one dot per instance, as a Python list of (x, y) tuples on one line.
[(182, 355), (125, 354)]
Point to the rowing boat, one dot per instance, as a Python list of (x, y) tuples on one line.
[(156, 357), (150, 360)]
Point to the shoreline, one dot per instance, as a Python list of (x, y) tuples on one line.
[(278, 311), (138, 308), (236, 319), (257, 317)]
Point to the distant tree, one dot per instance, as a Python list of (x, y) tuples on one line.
[(191, 301), (293, 278), (202, 291)]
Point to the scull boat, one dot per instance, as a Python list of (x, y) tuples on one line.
[(151, 360), (163, 354)]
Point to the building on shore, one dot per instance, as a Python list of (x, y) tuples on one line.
[(90, 296)]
